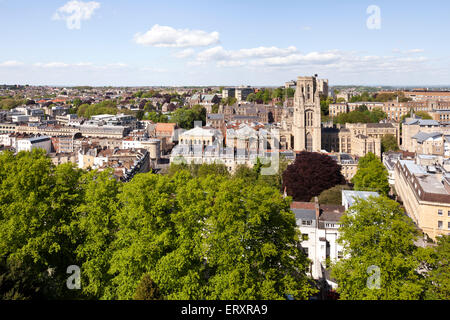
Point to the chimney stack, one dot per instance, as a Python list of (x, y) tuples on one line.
[(317, 207)]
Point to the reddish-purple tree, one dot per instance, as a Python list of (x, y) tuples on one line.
[(310, 174)]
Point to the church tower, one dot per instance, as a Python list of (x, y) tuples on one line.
[(307, 116)]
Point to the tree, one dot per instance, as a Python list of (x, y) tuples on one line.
[(77, 102), (229, 101), (156, 117), (251, 97), (242, 171), (37, 202), (325, 105), (310, 174), (371, 175), (359, 116), (147, 289), (435, 261), (421, 114), (186, 117), (389, 143), (104, 107), (380, 256), (95, 228), (10, 103), (209, 237), (215, 108), (333, 195)]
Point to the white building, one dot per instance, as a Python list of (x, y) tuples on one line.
[(28, 144), (319, 226), (243, 146)]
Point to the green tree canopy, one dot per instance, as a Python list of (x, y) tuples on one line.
[(333, 195), (389, 143), (378, 240), (371, 175), (207, 238)]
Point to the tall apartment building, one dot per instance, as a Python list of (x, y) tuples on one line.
[(425, 194), (228, 93), (242, 93)]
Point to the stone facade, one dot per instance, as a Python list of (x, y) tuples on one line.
[(425, 194), (307, 116)]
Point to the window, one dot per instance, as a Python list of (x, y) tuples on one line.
[(448, 213), (440, 224), (440, 212), (448, 226), (340, 255), (306, 222), (306, 251)]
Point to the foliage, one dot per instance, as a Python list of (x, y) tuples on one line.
[(147, 289), (371, 175), (37, 204), (379, 97), (436, 260), (310, 174), (186, 117), (199, 170), (375, 233), (104, 107), (325, 105), (358, 116), (266, 95), (215, 108), (389, 143), (209, 236), (199, 238), (421, 114), (333, 195), (156, 117), (7, 103)]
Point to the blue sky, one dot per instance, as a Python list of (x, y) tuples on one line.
[(227, 42)]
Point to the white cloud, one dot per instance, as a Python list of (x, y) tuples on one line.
[(343, 62), (73, 12), (408, 51), (415, 51), (184, 53), (306, 28), (154, 70), (164, 36), (219, 53), (215, 53), (117, 65), (51, 65), (263, 56), (11, 63), (299, 59), (79, 65)]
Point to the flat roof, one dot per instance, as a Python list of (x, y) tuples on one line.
[(431, 184)]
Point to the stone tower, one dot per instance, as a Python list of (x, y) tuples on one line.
[(307, 117)]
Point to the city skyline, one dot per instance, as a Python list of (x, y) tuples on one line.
[(130, 43)]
